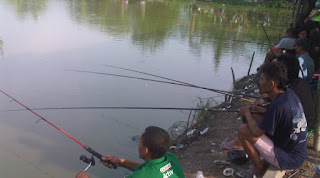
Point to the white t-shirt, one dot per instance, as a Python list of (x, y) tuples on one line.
[(304, 73)]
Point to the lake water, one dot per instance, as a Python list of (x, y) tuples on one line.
[(40, 39)]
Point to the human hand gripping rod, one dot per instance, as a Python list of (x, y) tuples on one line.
[(90, 150), (98, 155)]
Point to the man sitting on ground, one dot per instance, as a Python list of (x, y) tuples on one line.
[(280, 137), (300, 88), (153, 148)]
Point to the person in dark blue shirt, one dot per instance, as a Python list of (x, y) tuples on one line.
[(280, 138)]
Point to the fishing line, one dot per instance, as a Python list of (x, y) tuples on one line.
[(28, 162), (90, 150)]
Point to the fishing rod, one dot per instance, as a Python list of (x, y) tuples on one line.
[(244, 120), (160, 81), (91, 161), (125, 107), (270, 45), (145, 73), (266, 34)]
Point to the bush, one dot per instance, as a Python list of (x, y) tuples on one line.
[(234, 2), (279, 4), (273, 4)]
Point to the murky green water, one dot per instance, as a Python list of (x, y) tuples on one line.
[(39, 39)]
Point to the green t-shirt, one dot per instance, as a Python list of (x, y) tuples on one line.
[(164, 167)]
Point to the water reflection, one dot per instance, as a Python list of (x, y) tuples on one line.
[(150, 24), (141, 20), (223, 27), (33, 8), (111, 17), (185, 42)]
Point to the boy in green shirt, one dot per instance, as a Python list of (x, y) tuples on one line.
[(159, 163), (166, 166)]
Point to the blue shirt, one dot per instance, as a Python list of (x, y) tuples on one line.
[(285, 124)]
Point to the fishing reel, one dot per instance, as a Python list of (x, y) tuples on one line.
[(89, 161)]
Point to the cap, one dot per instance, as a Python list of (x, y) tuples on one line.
[(317, 5), (285, 43)]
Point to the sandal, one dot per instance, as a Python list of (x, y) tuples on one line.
[(245, 174), (228, 146)]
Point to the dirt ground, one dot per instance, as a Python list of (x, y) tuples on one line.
[(201, 151)]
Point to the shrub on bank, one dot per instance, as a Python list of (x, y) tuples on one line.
[(279, 4), (273, 4)]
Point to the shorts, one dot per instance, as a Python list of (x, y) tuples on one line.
[(265, 147)]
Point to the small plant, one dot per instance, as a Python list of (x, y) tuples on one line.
[(205, 104)]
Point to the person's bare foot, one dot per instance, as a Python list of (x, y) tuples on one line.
[(260, 173), (232, 145)]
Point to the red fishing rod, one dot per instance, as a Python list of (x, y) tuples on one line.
[(82, 157)]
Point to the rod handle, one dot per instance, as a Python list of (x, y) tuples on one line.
[(99, 156)]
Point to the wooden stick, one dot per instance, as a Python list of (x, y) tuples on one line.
[(188, 120), (251, 63), (233, 78)]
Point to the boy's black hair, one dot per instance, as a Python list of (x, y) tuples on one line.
[(156, 140)]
